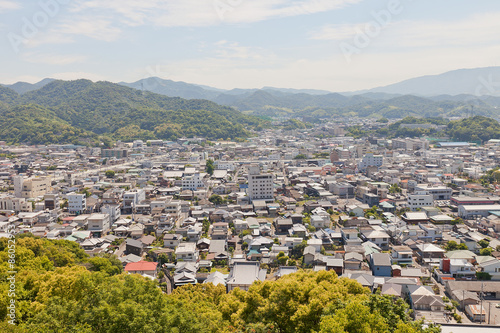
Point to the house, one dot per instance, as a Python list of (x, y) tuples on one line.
[(415, 217), (243, 274), (184, 278), (171, 241), (432, 303), (142, 267), (133, 246), (464, 298), (380, 238), (316, 243), (216, 278), (283, 225), (491, 289), (476, 312), (402, 255), (492, 267), (353, 261), (381, 264), (285, 270), (429, 253), (335, 264), (98, 224), (458, 268), (309, 255), (350, 236), (186, 252), (391, 289)]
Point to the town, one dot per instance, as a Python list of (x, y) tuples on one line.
[(412, 218)]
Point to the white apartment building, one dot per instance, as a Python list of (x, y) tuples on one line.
[(260, 186), (438, 192), (173, 208), (98, 224), (371, 160), (77, 203), (192, 181), (224, 165), (133, 198), (420, 199), (113, 211)]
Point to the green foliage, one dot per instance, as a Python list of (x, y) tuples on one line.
[(60, 289), (484, 243), (483, 276), (486, 251), (300, 157), (217, 199), (452, 246), (395, 189), (477, 128), (109, 174), (210, 167), (85, 112)]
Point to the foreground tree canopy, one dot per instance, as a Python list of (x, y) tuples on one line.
[(60, 289)]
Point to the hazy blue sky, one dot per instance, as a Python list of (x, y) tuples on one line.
[(337, 45)]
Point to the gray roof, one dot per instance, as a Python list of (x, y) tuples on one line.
[(381, 259), (134, 243)]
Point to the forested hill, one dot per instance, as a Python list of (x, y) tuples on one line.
[(112, 111), (61, 289)]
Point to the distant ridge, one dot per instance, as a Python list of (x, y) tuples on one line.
[(473, 81)]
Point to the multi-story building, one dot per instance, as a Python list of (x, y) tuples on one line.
[(438, 192), (192, 181), (371, 160), (10, 203), (113, 211), (116, 153), (420, 199), (260, 185), (98, 224), (77, 203), (31, 187), (133, 198)]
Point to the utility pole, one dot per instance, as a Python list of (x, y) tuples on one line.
[(489, 313), (481, 309), (463, 300)]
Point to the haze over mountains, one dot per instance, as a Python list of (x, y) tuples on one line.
[(455, 93)]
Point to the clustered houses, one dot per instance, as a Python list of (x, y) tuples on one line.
[(378, 211)]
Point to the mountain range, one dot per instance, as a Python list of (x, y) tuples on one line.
[(455, 93)]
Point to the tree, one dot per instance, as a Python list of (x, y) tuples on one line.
[(452, 246), (484, 243), (210, 167), (216, 199), (486, 251), (110, 174)]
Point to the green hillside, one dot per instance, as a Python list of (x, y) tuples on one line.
[(114, 111)]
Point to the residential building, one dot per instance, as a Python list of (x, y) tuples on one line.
[(77, 203), (260, 185)]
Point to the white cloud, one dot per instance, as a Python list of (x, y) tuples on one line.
[(53, 59), (332, 73), (99, 28), (6, 5), (476, 29), (233, 51), (196, 13)]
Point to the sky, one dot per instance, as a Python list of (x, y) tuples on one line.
[(334, 45)]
